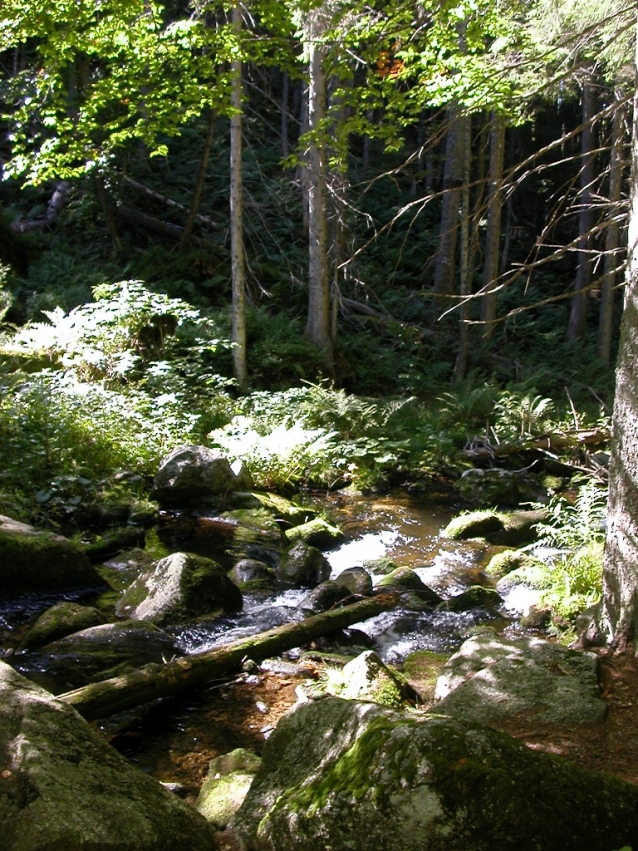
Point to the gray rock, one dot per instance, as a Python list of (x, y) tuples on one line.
[(226, 786), (326, 595), (366, 678), (491, 678), (34, 562), (303, 566), (249, 574), (405, 579), (63, 787), (380, 565), (475, 524), (474, 597), (181, 587), (350, 776), (511, 528), (318, 533), (192, 474), (357, 580), (59, 621)]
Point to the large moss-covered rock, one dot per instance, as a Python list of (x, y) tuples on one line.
[(490, 678), (303, 566), (181, 587), (59, 621), (357, 580), (34, 562), (63, 787), (194, 474), (505, 562), (366, 678), (352, 776), (404, 579), (511, 528), (250, 574), (499, 487), (326, 595), (318, 533), (475, 524), (227, 784), (97, 653), (474, 597), (281, 509)]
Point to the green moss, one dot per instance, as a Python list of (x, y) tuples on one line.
[(475, 524), (422, 669)]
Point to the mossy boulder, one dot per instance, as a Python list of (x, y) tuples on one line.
[(63, 787), (511, 528), (35, 562), (505, 562), (421, 670), (278, 507), (179, 588), (477, 596), (380, 566), (325, 596), (533, 574), (250, 574), (226, 786), (190, 475), (113, 542), (97, 653), (318, 533), (59, 621), (475, 524), (357, 580), (499, 487), (404, 579), (303, 566), (354, 776), (490, 678), (366, 678)]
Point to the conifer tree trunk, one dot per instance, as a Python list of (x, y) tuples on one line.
[(236, 215), (605, 326), (619, 620), (466, 270), (285, 97), (318, 324), (493, 235), (578, 315), (452, 185), (199, 182)]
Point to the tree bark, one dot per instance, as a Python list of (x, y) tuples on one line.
[(318, 324), (452, 185), (578, 315), (108, 215), (466, 270), (619, 618), (55, 206), (493, 234), (199, 182), (99, 700), (285, 97), (605, 325), (236, 216)]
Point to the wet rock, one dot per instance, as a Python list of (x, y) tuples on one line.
[(354, 776), (181, 587), (96, 653), (59, 621), (318, 533), (403, 579), (505, 562), (533, 574), (113, 542), (475, 597), (357, 580), (192, 474), (278, 507), (34, 562), (536, 618), (367, 678), (513, 528), (491, 678), (63, 787), (303, 566), (326, 595), (499, 487), (474, 524), (250, 574), (380, 565), (226, 786)]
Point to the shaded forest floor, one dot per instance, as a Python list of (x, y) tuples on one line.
[(176, 741)]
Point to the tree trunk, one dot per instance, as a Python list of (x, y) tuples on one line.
[(318, 324), (285, 97), (108, 215), (578, 316), (236, 216), (452, 185), (620, 566), (605, 325), (493, 235), (466, 271), (199, 182), (99, 700)]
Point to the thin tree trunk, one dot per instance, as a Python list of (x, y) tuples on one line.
[(479, 211), (101, 699), (466, 271), (304, 178), (108, 215), (619, 620), (318, 324), (493, 235), (367, 141), (236, 215), (605, 325), (199, 182), (452, 186), (285, 97), (578, 315)]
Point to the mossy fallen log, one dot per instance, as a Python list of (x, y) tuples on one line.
[(547, 443), (101, 699)]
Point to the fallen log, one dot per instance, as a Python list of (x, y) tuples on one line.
[(55, 206), (548, 443), (101, 699)]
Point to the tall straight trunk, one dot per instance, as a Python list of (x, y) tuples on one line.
[(493, 234), (304, 179), (466, 270), (479, 211), (605, 325), (236, 215), (578, 315), (318, 324), (619, 619), (199, 181), (108, 214), (452, 185), (285, 97)]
